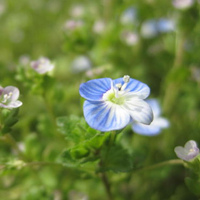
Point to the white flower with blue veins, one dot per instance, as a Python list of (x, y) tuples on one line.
[(113, 104), (157, 124), (9, 97), (188, 152)]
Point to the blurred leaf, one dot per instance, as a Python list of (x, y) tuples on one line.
[(10, 118), (117, 159), (193, 184)]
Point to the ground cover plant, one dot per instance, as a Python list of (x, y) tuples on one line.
[(99, 100)]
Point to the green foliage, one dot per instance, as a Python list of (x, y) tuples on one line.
[(45, 156), (116, 158), (9, 119)]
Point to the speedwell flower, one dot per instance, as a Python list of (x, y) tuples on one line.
[(42, 65), (112, 104), (157, 124), (188, 152), (9, 96)]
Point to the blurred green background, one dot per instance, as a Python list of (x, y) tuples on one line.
[(152, 41)]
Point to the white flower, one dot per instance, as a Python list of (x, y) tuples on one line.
[(99, 27), (71, 24), (9, 97), (81, 64), (156, 125), (130, 38), (182, 4), (42, 65), (188, 152)]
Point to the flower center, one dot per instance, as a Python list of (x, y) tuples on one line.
[(117, 100), (6, 98), (116, 93)]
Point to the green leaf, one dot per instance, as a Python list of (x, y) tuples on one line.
[(79, 152), (10, 118), (75, 128), (193, 184), (116, 158)]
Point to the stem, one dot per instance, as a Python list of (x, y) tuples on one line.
[(106, 184), (11, 141), (172, 88), (155, 166)]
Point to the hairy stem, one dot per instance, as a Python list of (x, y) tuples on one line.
[(152, 167)]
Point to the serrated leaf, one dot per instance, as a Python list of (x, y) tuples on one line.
[(75, 128), (116, 158)]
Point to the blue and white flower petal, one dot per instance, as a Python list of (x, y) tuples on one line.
[(188, 152), (113, 104), (157, 124), (138, 88), (94, 89), (105, 116), (153, 129)]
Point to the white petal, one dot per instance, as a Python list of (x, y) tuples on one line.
[(139, 110)]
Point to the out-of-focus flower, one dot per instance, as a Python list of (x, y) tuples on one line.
[(96, 71), (182, 4), (99, 27), (152, 28), (77, 11), (156, 125), (188, 152), (130, 38), (24, 59), (2, 8), (128, 16), (149, 29), (72, 24), (165, 25), (9, 97), (81, 64), (42, 65), (113, 104)]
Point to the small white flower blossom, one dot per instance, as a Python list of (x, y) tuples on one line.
[(42, 65), (99, 27), (188, 152), (81, 64), (9, 97), (71, 24), (182, 4), (130, 38), (77, 11)]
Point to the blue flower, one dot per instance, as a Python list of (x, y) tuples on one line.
[(113, 104), (157, 124)]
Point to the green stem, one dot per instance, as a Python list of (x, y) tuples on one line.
[(106, 184), (161, 164), (172, 89)]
